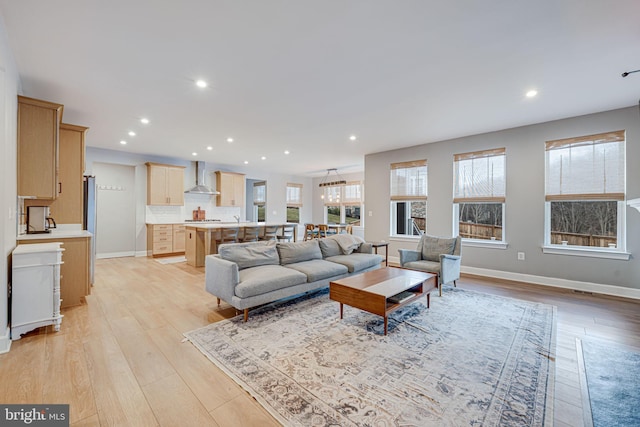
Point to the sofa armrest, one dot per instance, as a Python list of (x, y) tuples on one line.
[(365, 248), (221, 277), (449, 268), (408, 255)]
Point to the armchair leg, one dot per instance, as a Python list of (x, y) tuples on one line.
[(454, 284)]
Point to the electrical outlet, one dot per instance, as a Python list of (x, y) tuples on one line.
[(520, 256)]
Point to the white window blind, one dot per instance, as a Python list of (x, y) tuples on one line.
[(259, 193), (409, 180), (294, 195), (589, 167), (479, 176), (352, 193)]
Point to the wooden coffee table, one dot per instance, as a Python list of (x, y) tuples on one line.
[(371, 291)]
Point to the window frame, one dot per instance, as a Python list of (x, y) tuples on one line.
[(293, 202), (404, 194), (620, 251), (495, 194)]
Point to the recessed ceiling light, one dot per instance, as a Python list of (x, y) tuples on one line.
[(209, 148), (132, 133), (246, 162), (194, 154), (229, 139), (144, 121), (201, 83), (286, 151), (263, 158), (123, 142), (532, 93), (352, 137)]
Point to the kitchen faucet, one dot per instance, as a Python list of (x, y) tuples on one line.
[(237, 218)]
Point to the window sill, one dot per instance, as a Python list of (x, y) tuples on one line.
[(585, 252), (490, 244)]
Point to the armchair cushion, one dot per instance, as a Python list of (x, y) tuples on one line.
[(433, 247)]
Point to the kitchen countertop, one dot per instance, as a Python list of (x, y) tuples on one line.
[(67, 234), (214, 225)]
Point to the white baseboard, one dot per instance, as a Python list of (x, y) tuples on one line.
[(142, 253), (115, 254), (596, 288), (5, 341)]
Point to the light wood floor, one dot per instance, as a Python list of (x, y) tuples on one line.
[(119, 359)]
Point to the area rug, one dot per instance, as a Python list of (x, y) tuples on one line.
[(171, 260), (612, 383), (471, 359)]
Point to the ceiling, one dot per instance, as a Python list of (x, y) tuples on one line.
[(304, 76)]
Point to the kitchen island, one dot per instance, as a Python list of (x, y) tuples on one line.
[(201, 237)]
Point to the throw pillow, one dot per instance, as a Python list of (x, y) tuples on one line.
[(329, 247), (298, 251), (348, 243)]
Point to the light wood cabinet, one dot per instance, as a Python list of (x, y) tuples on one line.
[(165, 185), (231, 188), (74, 271), (67, 208), (38, 129), (165, 239), (178, 238)]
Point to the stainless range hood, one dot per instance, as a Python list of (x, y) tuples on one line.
[(200, 187)]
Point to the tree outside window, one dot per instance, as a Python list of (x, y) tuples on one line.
[(294, 202)]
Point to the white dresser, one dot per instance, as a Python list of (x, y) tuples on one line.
[(35, 287)]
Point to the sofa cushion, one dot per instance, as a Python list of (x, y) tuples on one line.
[(318, 269), (329, 247), (266, 278), (356, 261), (251, 254), (432, 247), (298, 251)]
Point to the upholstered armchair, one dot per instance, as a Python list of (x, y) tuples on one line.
[(436, 255)]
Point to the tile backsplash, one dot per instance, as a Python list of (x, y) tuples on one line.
[(155, 214)]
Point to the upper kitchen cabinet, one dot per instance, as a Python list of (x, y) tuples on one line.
[(68, 206), (231, 188), (165, 184), (38, 130)]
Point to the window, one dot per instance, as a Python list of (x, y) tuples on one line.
[(409, 198), (479, 194), (259, 200), (585, 191), (343, 203), (294, 202)]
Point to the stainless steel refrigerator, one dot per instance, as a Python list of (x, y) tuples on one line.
[(89, 219)]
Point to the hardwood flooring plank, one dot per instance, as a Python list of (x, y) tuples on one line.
[(243, 411)]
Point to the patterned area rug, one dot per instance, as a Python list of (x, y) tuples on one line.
[(471, 359)]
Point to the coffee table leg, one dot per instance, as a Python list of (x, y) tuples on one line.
[(341, 308), (385, 325), (428, 300)]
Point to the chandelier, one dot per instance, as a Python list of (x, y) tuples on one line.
[(332, 179)]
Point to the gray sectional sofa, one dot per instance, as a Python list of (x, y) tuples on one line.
[(246, 275)]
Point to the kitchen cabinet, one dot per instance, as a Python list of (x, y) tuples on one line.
[(178, 238), (165, 185), (231, 188), (74, 271), (165, 239), (195, 247), (67, 207), (37, 151)]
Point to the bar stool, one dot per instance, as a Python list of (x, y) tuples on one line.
[(270, 232), (323, 230), (287, 233), (251, 234), (227, 235)]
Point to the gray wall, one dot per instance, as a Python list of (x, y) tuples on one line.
[(524, 216)]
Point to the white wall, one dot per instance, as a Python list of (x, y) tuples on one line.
[(9, 88), (524, 215)]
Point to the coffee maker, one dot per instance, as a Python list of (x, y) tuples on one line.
[(38, 220)]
